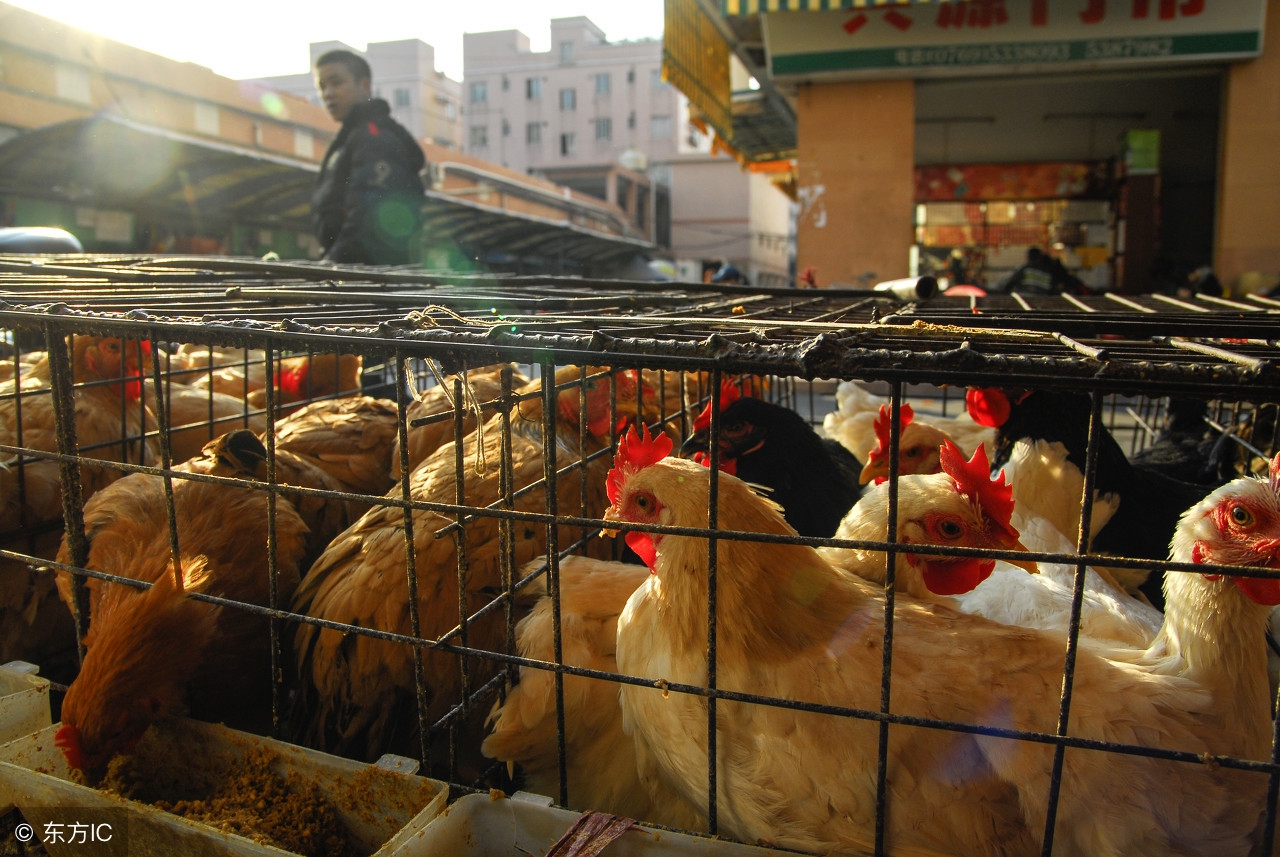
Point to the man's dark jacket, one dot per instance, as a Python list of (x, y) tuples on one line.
[(367, 204)]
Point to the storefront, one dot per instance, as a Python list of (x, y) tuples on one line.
[(988, 127)]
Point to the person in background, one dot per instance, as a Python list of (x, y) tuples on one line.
[(367, 203), (1201, 281), (1041, 275), (729, 276)]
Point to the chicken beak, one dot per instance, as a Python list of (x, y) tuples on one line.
[(870, 471), (1024, 564)]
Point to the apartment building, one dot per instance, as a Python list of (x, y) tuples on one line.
[(588, 113), (585, 102), (425, 101), (597, 116)]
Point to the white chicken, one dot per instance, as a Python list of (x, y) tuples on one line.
[(853, 423), (600, 759), (792, 627)]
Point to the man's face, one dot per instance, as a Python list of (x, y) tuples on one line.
[(340, 90)]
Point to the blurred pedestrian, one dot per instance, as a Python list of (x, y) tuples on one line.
[(729, 276), (367, 204), (1042, 274)]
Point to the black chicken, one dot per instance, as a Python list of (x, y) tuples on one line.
[(814, 479), (1186, 448), (1150, 501)]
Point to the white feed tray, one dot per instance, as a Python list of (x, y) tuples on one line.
[(380, 808), (480, 826)]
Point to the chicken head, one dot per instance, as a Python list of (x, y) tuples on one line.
[(129, 678), (918, 447), (636, 451), (1238, 524), (107, 358)]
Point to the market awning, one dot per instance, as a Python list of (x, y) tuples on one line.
[(482, 230), (109, 162), (106, 161)]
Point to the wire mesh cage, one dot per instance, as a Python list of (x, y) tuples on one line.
[(361, 510)]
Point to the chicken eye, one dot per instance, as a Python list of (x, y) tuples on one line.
[(913, 452), (1241, 516), (950, 529), (733, 429), (642, 502)]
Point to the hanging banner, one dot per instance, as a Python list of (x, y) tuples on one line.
[(985, 36)]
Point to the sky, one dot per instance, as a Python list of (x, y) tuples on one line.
[(264, 38)]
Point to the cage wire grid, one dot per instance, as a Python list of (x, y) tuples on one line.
[(693, 336)]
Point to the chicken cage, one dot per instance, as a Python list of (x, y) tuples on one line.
[(362, 510)]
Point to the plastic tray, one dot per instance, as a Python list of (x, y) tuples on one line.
[(380, 807), (526, 824), (24, 701)]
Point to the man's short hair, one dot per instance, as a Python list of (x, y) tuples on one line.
[(354, 63)]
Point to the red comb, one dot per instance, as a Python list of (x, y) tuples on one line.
[(973, 479), (729, 393), (293, 379), (882, 429), (988, 406), (636, 451), (67, 739)]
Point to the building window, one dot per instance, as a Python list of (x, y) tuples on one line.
[(533, 133), (479, 136), (506, 128), (304, 145), (604, 129), (568, 145), (506, 84), (207, 119), (631, 75), (402, 98), (533, 88), (568, 99), (655, 79), (73, 83), (602, 84), (450, 111), (631, 120), (566, 52), (479, 92), (659, 127)]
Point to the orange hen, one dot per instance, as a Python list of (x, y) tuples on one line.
[(156, 652), (356, 693)]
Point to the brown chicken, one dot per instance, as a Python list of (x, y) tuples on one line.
[(198, 415), (110, 420), (350, 438), (298, 379), (109, 425), (484, 385), (356, 694), (155, 652)]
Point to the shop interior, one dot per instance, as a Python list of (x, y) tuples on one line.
[(1113, 174)]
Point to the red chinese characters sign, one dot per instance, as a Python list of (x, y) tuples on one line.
[(982, 35), (1053, 180)]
